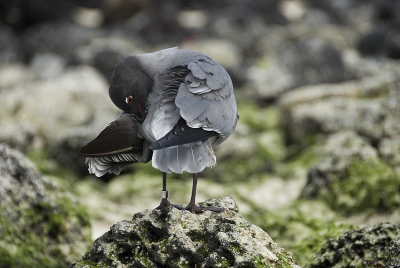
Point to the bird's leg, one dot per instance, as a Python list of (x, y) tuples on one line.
[(192, 204), (164, 193)]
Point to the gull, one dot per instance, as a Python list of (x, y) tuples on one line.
[(176, 106)]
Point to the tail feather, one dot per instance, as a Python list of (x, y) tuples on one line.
[(193, 158)]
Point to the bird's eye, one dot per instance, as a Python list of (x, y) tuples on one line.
[(129, 99)]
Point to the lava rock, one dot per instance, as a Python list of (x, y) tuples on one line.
[(348, 175), (175, 238), (60, 37), (7, 44), (340, 150), (64, 112), (373, 246), (368, 105), (309, 61), (40, 226)]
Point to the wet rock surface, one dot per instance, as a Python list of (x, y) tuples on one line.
[(174, 238)]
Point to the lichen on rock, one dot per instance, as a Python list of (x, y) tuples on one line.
[(175, 238)]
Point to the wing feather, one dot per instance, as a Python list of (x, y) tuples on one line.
[(117, 146), (203, 98), (209, 103)]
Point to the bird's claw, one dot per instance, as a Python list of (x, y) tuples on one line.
[(164, 204), (191, 208)]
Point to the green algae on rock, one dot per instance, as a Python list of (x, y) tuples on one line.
[(301, 228), (175, 238), (39, 225), (348, 174), (373, 246)]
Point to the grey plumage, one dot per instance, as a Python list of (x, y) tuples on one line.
[(204, 99), (164, 87)]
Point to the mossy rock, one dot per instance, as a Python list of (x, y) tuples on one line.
[(373, 246), (369, 187), (302, 228), (174, 238), (257, 118), (40, 225)]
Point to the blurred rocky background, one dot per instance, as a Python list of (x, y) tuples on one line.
[(315, 158)]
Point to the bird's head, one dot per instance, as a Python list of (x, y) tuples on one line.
[(130, 86)]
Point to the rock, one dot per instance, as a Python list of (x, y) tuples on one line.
[(39, 224), (118, 10), (343, 12), (174, 238), (311, 60), (63, 111), (302, 228), (389, 149), (368, 106), (23, 14), (47, 65), (373, 246), (340, 151), (61, 37), (7, 44), (385, 21), (22, 136), (348, 174), (13, 74)]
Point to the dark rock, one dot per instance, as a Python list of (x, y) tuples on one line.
[(348, 175), (60, 37), (372, 43), (340, 12), (118, 11), (393, 44), (65, 110), (174, 238), (309, 61), (23, 14), (40, 226), (340, 151), (374, 246), (7, 44), (367, 105)]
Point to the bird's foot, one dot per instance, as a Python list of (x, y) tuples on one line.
[(164, 204), (190, 207), (196, 209)]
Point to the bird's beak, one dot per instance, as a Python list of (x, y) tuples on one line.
[(144, 115), (143, 112)]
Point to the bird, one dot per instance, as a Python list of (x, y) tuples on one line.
[(176, 106)]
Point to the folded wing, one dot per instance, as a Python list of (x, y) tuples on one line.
[(117, 146), (206, 105)]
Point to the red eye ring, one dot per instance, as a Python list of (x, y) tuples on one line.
[(129, 99)]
